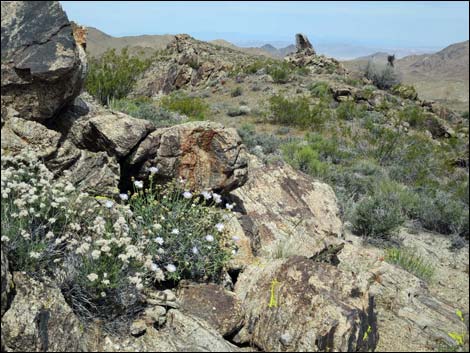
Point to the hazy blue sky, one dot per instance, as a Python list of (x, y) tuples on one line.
[(386, 24)]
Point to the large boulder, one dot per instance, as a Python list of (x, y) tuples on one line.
[(205, 154), (40, 320), (42, 67), (211, 302), (298, 305), (303, 44), (291, 212), (6, 283), (181, 333)]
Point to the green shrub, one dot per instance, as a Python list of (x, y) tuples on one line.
[(280, 73), (144, 108), (193, 107), (268, 142), (350, 111), (443, 213), (236, 92), (413, 115), (112, 76), (378, 215), (383, 77), (465, 115), (298, 112), (303, 158), (411, 261), (320, 89)]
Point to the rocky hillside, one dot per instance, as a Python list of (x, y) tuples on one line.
[(441, 76), (292, 206)]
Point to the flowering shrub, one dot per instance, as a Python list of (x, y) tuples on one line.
[(104, 252)]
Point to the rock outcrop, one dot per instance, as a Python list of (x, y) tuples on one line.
[(305, 56), (6, 283), (220, 308), (292, 213), (42, 67), (205, 154), (298, 305), (40, 320)]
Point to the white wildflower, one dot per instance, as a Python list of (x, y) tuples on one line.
[(159, 240), (220, 227), (175, 231), (229, 206), (5, 239), (209, 237), (206, 194), (49, 235), (139, 184), (34, 255), (217, 198), (170, 268), (95, 254), (106, 282), (109, 204), (124, 197), (195, 250), (187, 195), (92, 277), (153, 170)]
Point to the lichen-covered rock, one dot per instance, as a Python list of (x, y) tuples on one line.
[(205, 154), (413, 314), (293, 213), (42, 67), (39, 319), (6, 283), (298, 305), (181, 333), (20, 134), (211, 302)]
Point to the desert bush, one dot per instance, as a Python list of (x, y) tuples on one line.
[(383, 77), (112, 76), (298, 111), (411, 261), (193, 107), (320, 89), (413, 115), (280, 72), (441, 212), (378, 215), (236, 92), (350, 111), (268, 142), (465, 115), (304, 158), (144, 108)]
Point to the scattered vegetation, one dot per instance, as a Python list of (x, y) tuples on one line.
[(411, 261), (320, 89), (112, 76), (144, 108), (236, 92), (299, 111), (193, 107)]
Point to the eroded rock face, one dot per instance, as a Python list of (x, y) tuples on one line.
[(42, 67), (205, 154), (39, 319), (181, 333), (6, 283), (298, 305), (219, 307), (292, 213)]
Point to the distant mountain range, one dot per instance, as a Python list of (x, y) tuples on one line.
[(442, 76)]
